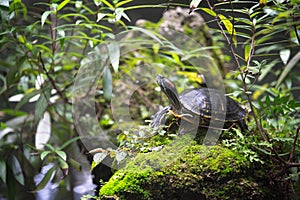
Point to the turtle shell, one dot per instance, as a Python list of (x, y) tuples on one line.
[(211, 104)]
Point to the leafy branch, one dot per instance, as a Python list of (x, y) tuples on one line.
[(244, 70)]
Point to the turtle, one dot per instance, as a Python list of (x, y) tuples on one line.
[(200, 104)]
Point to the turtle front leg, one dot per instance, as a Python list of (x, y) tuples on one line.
[(160, 117)]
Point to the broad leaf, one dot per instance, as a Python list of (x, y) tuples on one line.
[(44, 154), (17, 170), (3, 170), (41, 104), (107, 84), (43, 131), (25, 99), (62, 155), (99, 157)]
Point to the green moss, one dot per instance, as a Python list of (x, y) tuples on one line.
[(185, 170), (127, 183)]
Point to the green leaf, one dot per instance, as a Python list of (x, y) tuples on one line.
[(288, 68), (121, 3), (62, 5), (75, 164), (41, 104), (67, 143), (209, 11), (98, 158), (229, 27), (17, 170), (97, 2), (61, 154), (108, 4), (47, 177), (63, 165), (285, 55), (3, 170), (100, 16), (150, 33), (44, 154), (21, 39), (11, 184), (121, 155), (119, 13), (25, 99), (268, 101), (3, 84), (262, 3), (107, 84), (43, 132), (114, 55), (49, 146), (45, 16), (247, 52), (194, 4)]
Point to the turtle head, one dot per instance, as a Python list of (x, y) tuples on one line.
[(170, 91)]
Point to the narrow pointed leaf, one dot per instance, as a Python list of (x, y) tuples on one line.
[(62, 5), (45, 16), (67, 143), (288, 68), (47, 177), (229, 27), (209, 11)]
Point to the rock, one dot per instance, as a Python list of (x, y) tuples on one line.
[(186, 170)]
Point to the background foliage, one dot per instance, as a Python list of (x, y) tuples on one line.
[(42, 50)]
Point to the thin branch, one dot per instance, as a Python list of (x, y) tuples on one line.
[(294, 144), (52, 82)]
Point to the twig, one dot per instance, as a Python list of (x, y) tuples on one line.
[(294, 144), (295, 28), (52, 82)]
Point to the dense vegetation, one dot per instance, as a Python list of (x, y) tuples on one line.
[(77, 78)]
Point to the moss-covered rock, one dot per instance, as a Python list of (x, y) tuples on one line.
[(185, 170)]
